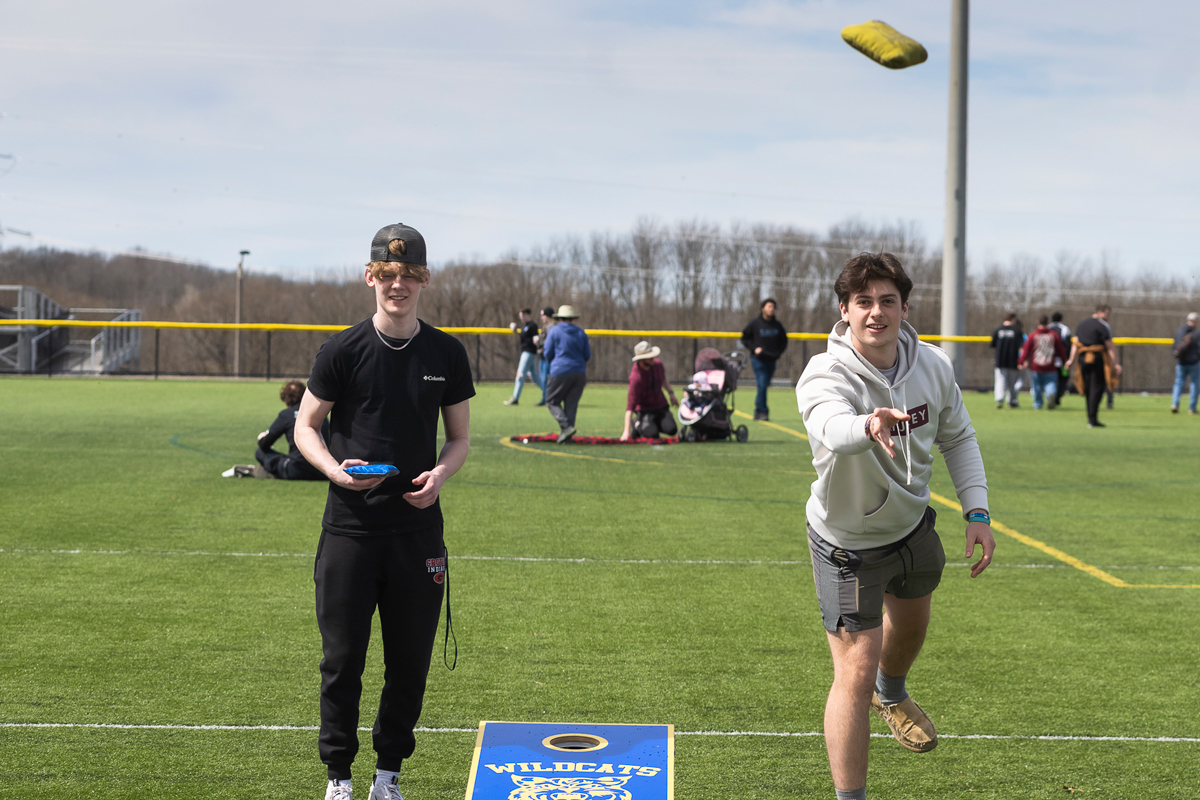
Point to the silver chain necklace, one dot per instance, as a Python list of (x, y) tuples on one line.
[(392, 346)]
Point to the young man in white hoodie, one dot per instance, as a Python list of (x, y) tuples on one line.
[(874, 405)]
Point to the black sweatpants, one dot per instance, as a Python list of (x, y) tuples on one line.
[(286, 467), (403, 575), (1094, 385)]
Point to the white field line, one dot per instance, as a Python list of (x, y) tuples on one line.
[(773, 734), (533, 559)]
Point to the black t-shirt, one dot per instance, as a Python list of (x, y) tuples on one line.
[(527, 332), (386, 408), (1092, 331)]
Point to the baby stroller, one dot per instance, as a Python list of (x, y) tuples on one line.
[(704, 412)]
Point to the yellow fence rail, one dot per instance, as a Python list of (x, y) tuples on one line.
[(282, 326)]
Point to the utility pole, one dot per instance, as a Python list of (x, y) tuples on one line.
[(237, 317), (954, 248)]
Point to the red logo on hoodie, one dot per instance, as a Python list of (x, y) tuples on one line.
[(918, 416)]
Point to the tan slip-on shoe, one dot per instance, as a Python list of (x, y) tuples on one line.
[(909, 723)]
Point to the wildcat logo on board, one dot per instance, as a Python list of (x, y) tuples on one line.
[(569, 789)]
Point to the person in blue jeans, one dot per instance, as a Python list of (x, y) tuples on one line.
[(1042, 350), (1187, 356), (543, 364), (766, 339), (527, 365)]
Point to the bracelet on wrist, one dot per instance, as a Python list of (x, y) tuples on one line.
[(979, 516), (867, 426)]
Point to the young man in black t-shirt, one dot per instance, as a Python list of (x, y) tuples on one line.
[(527, 365), (383, 383), (1097, 355)]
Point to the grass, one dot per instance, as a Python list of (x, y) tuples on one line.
[(667, 585)]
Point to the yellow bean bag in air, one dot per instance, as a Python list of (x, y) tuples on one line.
[(883, 43)]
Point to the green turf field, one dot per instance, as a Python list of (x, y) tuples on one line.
[(619, 584)]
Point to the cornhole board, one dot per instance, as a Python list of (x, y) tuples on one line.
[(543, 760)]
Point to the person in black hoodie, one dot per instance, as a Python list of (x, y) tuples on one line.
[(272, 463), (1187, 353), (1007, 341), (766, 340)]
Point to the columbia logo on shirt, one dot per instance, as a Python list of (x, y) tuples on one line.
[(434, 378)]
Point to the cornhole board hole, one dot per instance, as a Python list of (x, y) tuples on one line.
[(544, 760)]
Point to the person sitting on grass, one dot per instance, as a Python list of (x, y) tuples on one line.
[(271, 463), (647, 380)]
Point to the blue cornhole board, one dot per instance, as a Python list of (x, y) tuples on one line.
[(541, 760)]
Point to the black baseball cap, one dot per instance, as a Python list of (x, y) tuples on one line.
[(548, 311), (412, 252)]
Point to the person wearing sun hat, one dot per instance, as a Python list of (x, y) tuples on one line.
[(647, 380), (567, 352)]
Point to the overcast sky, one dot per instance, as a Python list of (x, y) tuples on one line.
[(296, 129)]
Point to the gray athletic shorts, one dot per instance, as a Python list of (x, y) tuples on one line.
[(851, 583)]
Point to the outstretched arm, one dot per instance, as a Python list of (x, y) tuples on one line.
[(880, 424), (456, 420)]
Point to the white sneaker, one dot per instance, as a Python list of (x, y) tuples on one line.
[(385, 791), (228, 473), (339, 790)]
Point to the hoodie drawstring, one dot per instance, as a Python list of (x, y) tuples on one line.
[(905, 432)]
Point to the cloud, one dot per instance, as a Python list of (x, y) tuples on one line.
[(296, 130)]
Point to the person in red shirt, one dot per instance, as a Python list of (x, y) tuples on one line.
[(647, 380), (1039, 353)]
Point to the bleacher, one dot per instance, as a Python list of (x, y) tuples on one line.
[(36, 349)]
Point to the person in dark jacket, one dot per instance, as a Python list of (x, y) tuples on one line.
[(766, 339), (1007, 341), (271, 463), (1187, 367)]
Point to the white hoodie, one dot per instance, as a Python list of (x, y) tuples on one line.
[(862, 498)]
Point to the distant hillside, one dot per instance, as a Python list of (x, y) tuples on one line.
[(165, 290)]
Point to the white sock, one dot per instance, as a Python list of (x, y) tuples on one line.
[(385, 777)]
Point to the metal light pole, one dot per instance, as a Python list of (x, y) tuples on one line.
[(954, 248), (237, 317)]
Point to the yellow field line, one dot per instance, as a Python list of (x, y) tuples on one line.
[(1095, 572), (504, 440), (771, 425)]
